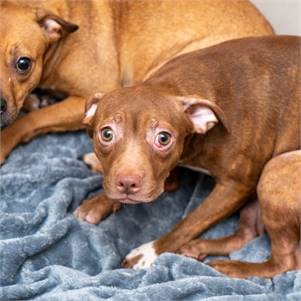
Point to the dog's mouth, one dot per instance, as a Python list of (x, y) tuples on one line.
[(141, 197), (132, 200), (129, 201), (9, 110), (7, 118)]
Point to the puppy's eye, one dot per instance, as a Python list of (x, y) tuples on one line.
[(23, 64), (107, 134), (163, 139)]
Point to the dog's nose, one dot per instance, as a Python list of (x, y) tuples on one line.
[(128, 184), (3, 105)]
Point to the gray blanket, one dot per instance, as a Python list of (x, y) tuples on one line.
[(46, 254)]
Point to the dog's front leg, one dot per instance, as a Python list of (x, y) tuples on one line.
[(225, 199), (63, 116), (96, 208)]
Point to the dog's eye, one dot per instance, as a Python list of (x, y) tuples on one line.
[(23, 64), (163, 139), (107, 134)]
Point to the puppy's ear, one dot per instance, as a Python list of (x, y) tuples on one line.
[(90, 110), (203, 114), (56, 27)]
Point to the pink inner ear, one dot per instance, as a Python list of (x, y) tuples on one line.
[(51, 25), (203, 119), (91, 111), (90, 114), (53, 29)]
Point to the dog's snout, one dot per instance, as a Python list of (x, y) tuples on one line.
[(128, 184), (3, 105)]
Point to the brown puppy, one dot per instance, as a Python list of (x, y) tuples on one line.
[(227, 109), (117, 43)]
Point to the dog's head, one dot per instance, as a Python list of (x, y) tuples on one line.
[(139, 136), (27, 34)]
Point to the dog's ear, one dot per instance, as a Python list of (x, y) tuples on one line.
[(56, 27), (90, 110), (203, 114)]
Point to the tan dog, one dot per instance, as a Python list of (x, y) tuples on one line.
[(118, 43), (227, 109)]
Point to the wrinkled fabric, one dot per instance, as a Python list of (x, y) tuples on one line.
[(47, 254)]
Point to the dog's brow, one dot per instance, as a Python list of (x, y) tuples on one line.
[(154, 123), (136, 122), (118, 118), (13, 49)]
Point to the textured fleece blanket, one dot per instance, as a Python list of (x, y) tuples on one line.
[(46, 254)]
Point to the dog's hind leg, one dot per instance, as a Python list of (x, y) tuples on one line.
[(249, 228), (279, 192)]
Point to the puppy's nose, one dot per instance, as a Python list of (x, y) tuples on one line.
[(3, 105), (128, 184)]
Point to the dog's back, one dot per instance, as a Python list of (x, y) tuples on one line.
[(256, 81), (238, 63)]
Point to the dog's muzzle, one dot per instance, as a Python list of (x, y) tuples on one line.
[(5, 117)]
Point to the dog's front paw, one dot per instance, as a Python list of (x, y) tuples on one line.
[(36, 101), (142, 257), (95, 209)]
